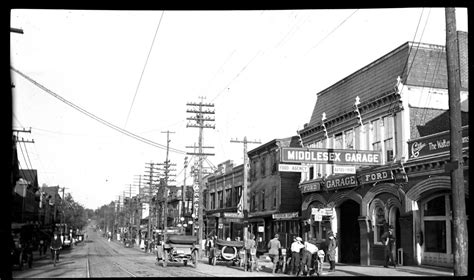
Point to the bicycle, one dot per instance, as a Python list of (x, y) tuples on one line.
[(55, 255)]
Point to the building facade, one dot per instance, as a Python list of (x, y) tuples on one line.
[(375, 109), (222, 194), (273, 196)]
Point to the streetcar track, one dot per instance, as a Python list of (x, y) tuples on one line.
[(148, 268), (123, 269)]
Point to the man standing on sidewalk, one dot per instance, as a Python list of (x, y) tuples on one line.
[(296, 247), (388, 240), (274, 246)]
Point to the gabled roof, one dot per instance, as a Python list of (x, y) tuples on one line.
[(31, 176)]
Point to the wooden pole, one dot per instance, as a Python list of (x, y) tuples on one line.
[(456, 162)]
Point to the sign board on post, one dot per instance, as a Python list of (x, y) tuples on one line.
[(318, 217), (331, 156)]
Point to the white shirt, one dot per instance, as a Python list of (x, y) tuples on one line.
[(311, 247), (296, 246)]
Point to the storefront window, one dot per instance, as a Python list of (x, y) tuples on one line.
[(435, 240), (435, 207), (437, 225)]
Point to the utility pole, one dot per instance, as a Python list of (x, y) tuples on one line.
[(139, 205), (455, 166), (167, 170), (182, 210), (200, 122), (151, 180), (245, 184)]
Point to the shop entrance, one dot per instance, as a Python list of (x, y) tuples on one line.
[(349, 233)]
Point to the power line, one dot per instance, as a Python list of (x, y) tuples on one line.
[(332, 31), (104, 122), (27, 155), (144, 67)]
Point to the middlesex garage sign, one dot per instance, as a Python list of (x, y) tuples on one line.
[(330, 156)]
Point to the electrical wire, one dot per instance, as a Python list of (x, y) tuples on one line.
[(94, 117), (143, 70), (332, 31), (27, 155)]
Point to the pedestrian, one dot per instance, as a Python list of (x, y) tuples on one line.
[(250, 252), (388, 240), (274, 247), (56, 244), (296, 247), (332, 245), (307, 263), (209, 245)]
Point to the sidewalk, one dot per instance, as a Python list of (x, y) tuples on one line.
[(358, 270)]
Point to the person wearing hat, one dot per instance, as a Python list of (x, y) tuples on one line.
[(56, 245), (296, 247), (388, 240), (332, 245)]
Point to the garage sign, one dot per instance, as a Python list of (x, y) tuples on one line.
[(330, 156)]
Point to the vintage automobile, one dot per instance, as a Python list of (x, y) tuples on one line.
[(178, 248), (226, 251)]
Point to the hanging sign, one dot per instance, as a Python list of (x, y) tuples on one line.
[(331, 156)]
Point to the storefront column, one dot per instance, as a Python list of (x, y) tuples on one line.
[(364, 225)]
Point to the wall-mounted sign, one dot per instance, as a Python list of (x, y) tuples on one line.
[(284, 216), (261, 229), (436, 143), (342, 182), (311, 187), (232, 215), (322, 211), (331, 156), (344, 169), (376, 176), (292, 168)]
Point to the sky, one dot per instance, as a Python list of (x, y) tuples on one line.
[(137, 70)]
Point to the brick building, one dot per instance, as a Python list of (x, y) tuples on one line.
[(222, 193), (395, 99), (273, 196)]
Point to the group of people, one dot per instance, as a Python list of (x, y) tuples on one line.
[(306, 258)]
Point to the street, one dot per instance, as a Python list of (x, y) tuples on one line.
[(96, 257)]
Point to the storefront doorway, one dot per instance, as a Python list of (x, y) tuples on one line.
[(349, 233)]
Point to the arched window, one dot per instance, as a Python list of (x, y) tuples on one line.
[(379, 219)]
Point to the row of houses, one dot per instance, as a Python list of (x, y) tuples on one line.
[(397, 105), (31, 204)]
